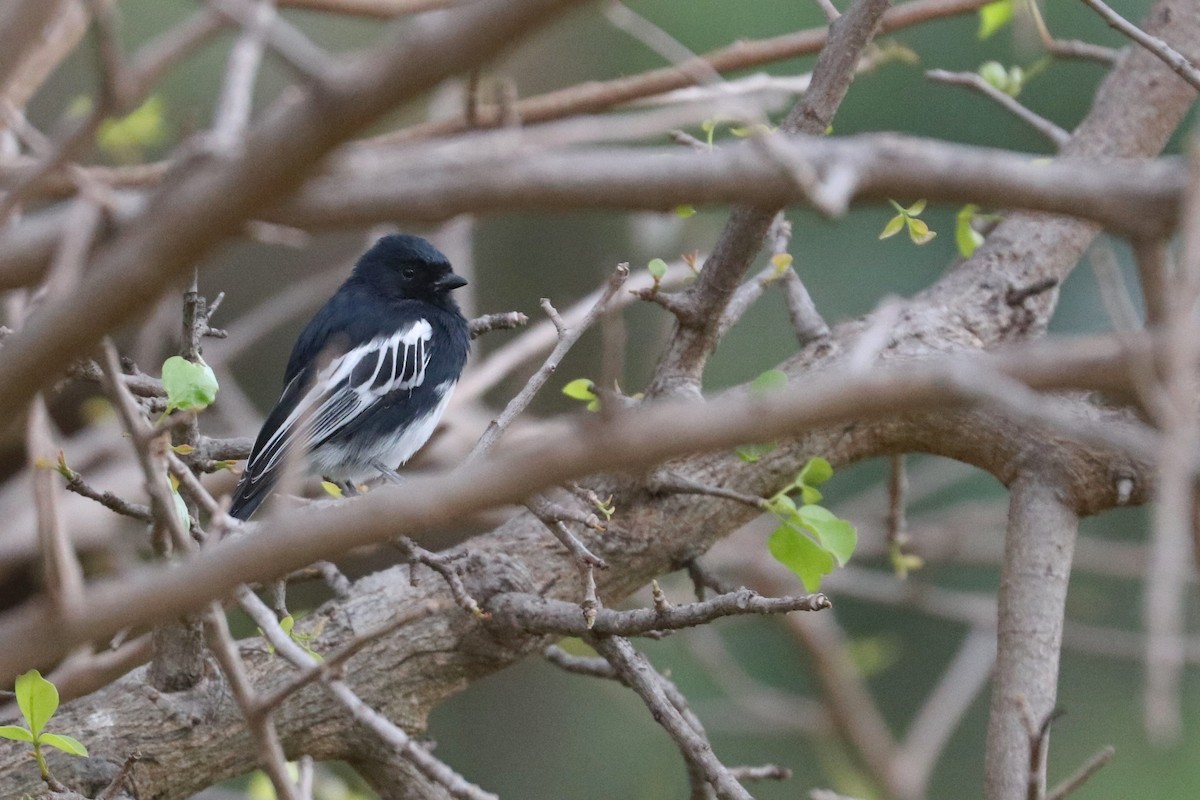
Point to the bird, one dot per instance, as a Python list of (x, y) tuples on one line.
[(369, 377)]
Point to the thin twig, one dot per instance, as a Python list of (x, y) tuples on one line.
[(637, 673), (1083, 775), (387, 731), (540, 615), (566, 339), (971, 80), (75, 483), (262, 727), (1167, 54), (503, 321), (241, 70)]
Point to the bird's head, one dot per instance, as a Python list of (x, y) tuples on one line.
[(408, 267)]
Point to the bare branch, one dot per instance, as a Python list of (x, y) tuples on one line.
[(1169, 55), (566, 340), (637, 673), (971, 80), (538, 615), (1085, 773)]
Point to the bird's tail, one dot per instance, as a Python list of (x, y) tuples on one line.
[(250, 495)]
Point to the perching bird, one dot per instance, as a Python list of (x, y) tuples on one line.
[(370, 375)]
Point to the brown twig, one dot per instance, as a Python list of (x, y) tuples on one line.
[(1167, 54), (539, 615), (971, 80), (258, 719), (566, 340), (636, 672)]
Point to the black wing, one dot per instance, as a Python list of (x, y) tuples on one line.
[(312, 410)]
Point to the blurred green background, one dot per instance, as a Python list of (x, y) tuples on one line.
[(533, 732)]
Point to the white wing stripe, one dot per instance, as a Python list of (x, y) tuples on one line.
[(332, 402)]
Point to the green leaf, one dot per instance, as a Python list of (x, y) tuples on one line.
[(995, 74), (332, 489), (916, 208), (894, 226), (181, 508), (658, 268), (994, 16), (16, 733), (810, 495), (965, 236), (801, 555), (752, 453), (899, 208), (836, 535), (783, 506), (1016, 81), (37, 699), (144, 127), (919, 231), (815, 472), (68, 744), (190, 387), (287, 623), (685, 211), (259, 787), (770, 381), (580, 389)]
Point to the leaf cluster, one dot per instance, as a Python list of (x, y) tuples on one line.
[(38, 700), (810, 540)]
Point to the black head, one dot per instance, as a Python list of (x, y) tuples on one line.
[(404, 266)]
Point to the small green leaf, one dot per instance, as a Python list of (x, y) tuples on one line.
[(657, 268), (1016, 81), (816, 471), (37, 699), (183, 449), (181, 509), (966, 238), (781, 261), (919, 231), (769, 381), (580, 389), (752, 453), (994, 16), (894, 226), (124, 139), (287, 623), (995, 74), (801, 555), (190, 387), (836, 535), (810, 495), (68, 744), (916, 208), (685, 211), (332, 489), (783, 506), (899, 208), (16, 733)]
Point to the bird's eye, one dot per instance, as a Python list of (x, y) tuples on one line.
[(408, 272)]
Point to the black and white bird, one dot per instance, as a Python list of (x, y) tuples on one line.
[(370, 376)]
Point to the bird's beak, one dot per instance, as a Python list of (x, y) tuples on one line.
[(449, 282)]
